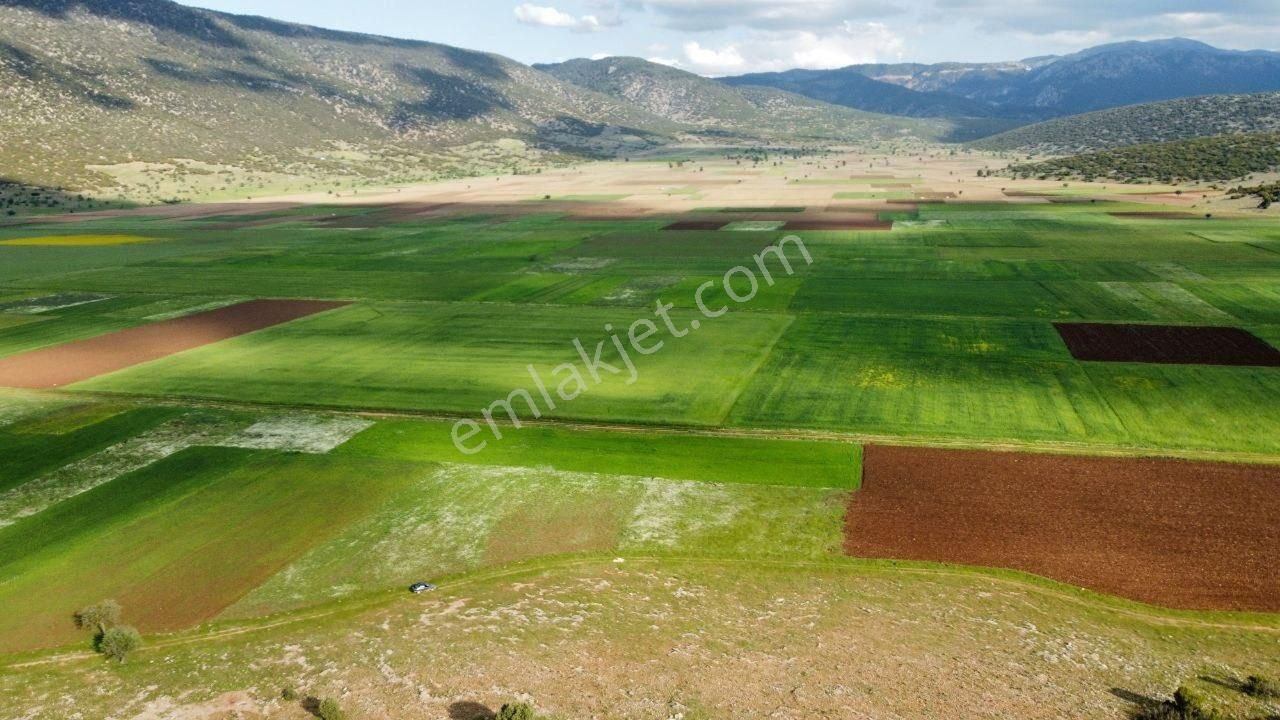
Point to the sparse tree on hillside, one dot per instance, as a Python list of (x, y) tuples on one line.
[(98, 617), (117, 642)]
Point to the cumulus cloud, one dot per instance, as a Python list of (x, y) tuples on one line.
[(813, 15), (850, 44), (1148, 17), (546, 16)]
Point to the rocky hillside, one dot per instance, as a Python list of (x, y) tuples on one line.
[(108, 82), (1144, 124), (851, 88), (689, 99)]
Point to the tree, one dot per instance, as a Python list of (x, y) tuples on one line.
[(117, 642), (98, 617)]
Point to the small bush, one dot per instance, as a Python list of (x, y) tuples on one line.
[(117, 642), (326, 709), (516, 711), (289, 694), (1261, 687)]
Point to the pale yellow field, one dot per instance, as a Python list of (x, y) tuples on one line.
[(79, 240)]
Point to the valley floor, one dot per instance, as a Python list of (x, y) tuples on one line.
[(673, 541)]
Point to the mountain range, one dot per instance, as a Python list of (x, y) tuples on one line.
[(156, 100), (1041, 88)]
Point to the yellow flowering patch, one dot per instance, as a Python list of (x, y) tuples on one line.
[(78, 240)]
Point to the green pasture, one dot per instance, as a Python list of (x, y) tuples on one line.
[(669, 456)]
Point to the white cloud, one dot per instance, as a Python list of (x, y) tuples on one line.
[(545, 16), (812, 15), (852, 44), (726, 59)]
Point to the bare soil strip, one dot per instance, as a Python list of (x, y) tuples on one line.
[(76, 361), (697, 225), (1167, 345), (1173, 533)]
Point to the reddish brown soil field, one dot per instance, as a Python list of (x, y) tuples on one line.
[(76, 361), (851, 224), (1166, 532), (697, 225), (1167, 345)]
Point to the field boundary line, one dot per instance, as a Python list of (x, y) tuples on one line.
[(1058, 447)]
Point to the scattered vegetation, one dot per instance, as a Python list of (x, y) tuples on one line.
[(1225, 157), (516, 711), (1268, 194)]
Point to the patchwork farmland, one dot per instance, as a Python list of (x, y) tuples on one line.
[(949, 401)]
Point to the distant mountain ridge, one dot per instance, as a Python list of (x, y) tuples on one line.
[(1165, 121), (686, 98), (97, 90), (1098, 78), (853, 88)]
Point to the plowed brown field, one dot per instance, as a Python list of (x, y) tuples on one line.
[(1172, 533)]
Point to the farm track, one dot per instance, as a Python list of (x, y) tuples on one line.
[(1047, 588)]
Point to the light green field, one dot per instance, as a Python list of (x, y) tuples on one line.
[(461, 358), (647, 454)]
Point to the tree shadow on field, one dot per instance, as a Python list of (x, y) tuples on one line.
[(467, 710), (1229, 683)]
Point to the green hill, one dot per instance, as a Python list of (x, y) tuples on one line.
[(1226, 157), (1141, 124)]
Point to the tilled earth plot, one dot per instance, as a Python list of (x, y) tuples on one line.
[(1171, 533), (1167, 344), (73, 362)]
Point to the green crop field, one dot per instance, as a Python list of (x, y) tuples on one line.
[(940, 328)]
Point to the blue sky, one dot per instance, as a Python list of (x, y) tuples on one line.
[(719, 37)]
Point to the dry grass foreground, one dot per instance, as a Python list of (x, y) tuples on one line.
[(680, 638)]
